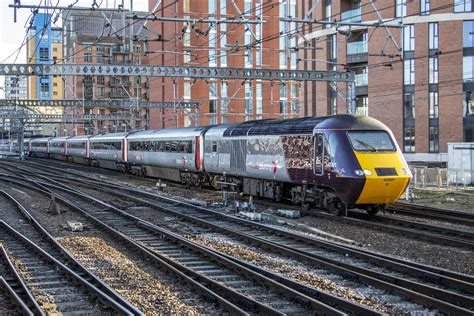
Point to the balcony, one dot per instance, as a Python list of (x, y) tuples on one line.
[(361, 80), (354, 48), (351, 16), (119, 83), (118, 94)]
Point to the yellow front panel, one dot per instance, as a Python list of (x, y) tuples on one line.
[(382, 189)]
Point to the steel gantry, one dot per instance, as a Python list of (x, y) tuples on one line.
[(173, 71)]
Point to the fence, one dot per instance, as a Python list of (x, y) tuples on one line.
[(424, 177)]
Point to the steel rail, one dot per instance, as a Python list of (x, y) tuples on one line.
[(460, 217), (7, 269), (56, 250), (247, 303), (64, 278), (11, 298), (436, 270), (431, 290)]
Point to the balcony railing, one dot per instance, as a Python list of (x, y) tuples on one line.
[(351, 16), (361, 80), (118, 95), (118, 83), (354, 48)]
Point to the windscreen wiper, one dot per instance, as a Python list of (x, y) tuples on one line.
[(365, 144)]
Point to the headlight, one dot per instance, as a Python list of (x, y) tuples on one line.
[(368, 172), (404, 171), (359, 172)]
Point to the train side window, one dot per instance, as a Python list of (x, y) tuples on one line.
[(318, 153), (214, 146)]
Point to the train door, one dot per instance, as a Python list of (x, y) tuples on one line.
[(318, 154)]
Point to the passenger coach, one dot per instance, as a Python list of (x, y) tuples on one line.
[(335, 162)]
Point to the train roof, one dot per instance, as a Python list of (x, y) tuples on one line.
[(40, 140), (79, 138), (189, 131), (304, 125), (59, 139), (111, 136)]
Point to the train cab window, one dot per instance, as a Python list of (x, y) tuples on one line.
[(371, 141), (167, 147), (214, 146)]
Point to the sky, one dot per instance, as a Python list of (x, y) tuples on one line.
[(12, 34)]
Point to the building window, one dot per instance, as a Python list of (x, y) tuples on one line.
[(467, 68), (434, 139), (468, 104), (213, 44), (100, 80), (44, 90), (187, 90), (409, 139), (212, 7), (248, 7), (224, 99), (362, 106), (433, 70), (409, 38), (433, 104), (433, 35), (88, 54), (283, 41), (469, 134), (55, 49), (43, 54), (283, 98), (248, 99), (55, 92), (100, 92), (400, 8), (409, 72), (223, 40), (333, 47), (462, 6), (259, 98), (249, 50), (409, 105), (294, 99), (328, 11), (213, 97), (468, 34), (424, 7), (186, 56)]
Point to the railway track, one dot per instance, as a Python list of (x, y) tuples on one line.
[(55, 287), (459, 217), (10, 302), (249, 290), (16, 297), (314, 251), (18, 217), (453, 237)]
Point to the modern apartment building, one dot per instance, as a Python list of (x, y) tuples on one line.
[(15, 88), (103, 38), (233, 45), (417, 79), (44, 46)]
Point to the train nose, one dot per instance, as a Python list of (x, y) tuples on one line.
[(386, 177), (383, 189)]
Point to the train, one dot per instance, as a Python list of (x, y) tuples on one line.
[(333, 163)]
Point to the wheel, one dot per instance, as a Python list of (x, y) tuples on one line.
[(334, 209), (374, 209)]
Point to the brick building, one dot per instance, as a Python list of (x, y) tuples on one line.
[(224, 45), (420, 84), (101, 38)]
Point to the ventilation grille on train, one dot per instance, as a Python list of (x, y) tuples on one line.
[(386, 172)]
